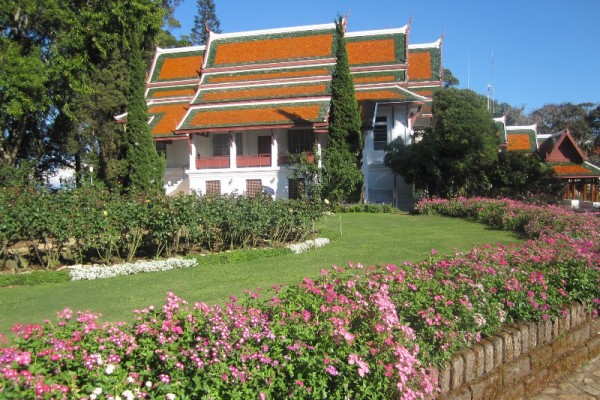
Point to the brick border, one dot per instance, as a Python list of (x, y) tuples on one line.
[(521, 359)]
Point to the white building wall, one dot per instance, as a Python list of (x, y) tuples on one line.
[(381, 186), (177, 154)]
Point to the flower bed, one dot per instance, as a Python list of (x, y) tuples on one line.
[(81, 272), (356, 332)]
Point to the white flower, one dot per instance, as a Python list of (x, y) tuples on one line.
[(130, 379), (170, 396), (128, 394), (80, 272), (97, 391), (110, 368), (309, 244), (93, 396), (148, 384)]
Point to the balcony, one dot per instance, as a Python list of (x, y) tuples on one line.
[(284, 159), (253, 160), (212, 162)]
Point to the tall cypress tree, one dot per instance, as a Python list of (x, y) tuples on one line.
[(144, 167), (206, 16), (342, 178)]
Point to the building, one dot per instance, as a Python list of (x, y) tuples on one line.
[(227, 115), (561, 152)]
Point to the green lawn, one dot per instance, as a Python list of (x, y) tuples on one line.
[(365, 238)]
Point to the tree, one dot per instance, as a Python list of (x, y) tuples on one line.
[(206, 17), (525, 176), (144, 167), (342, 175), (578, 118), (452, 157), (54, 56), (449, 79), (514, 115)]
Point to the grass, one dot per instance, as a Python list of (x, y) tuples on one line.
[(365, 238)]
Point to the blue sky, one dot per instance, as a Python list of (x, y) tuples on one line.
[(544, 51)]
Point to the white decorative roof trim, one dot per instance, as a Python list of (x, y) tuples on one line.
[(501, 119), (120, 116), (403, 29), (522, 127), (154, 102), (180, 49), (432, 45), (217, 36)]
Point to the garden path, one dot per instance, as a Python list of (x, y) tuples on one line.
[(582, 384)]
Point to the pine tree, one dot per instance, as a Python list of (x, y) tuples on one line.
[(144, 167), (205, 17), (342, 178)]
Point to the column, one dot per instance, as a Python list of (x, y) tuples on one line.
[(192, 148), (274, 149), (232, 151), (318, 155)]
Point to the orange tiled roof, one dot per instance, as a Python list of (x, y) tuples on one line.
[(380, 51), (166, 117), (428, 92), (394, 93), (262, 92), (419, 65), (253, 115), (570, 169), (164, 93), (273, 49), (361, 78), (519, 141), (266, 75), (180, 68)]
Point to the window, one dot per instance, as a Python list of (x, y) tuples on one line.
[(380, 133), (296, 188), (161, 148), (213, 187), (253, 187), (221, 144), (300, 140)]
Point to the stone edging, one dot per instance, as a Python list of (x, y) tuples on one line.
[(520, 360)]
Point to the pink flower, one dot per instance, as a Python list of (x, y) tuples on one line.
[(331, 370)]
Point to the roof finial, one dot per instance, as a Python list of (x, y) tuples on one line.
[(345, 20)]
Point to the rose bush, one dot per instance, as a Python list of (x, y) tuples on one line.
[(357, 332), (83, 226)]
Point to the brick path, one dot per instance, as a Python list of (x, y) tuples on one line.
[(583, 384)]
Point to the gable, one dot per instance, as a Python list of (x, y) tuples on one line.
[(566, 150), (521, 138), (181, 64), (382, 47), (425, 62)]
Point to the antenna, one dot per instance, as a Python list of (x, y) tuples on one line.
[(490, 89), (468, 69)]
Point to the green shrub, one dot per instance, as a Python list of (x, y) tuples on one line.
[(34, 278)]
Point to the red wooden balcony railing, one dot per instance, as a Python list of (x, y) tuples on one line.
[(284, 159), (253, 160), (212, 162)]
